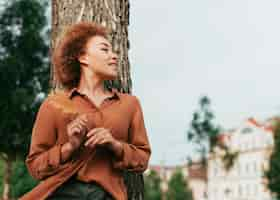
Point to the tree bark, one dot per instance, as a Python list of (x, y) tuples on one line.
[(7, 177), (114, 14)]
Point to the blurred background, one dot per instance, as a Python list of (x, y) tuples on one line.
[(206, 74)]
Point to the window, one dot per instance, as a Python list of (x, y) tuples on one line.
[(247, 168), (247, 146), (239, 169), (255, 167), (246, 130), (240, 191), (215, 171), (254, 143)]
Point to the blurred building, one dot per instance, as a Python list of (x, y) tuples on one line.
[(253, 142), (195, 175), (244, 181), (197, 179)]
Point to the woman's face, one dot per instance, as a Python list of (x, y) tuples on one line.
[(100, 58)]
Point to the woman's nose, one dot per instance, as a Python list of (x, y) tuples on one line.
[(114, 56)]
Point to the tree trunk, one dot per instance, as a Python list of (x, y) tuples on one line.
[(114, 14), (7, 178)]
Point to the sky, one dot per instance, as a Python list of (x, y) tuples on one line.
[(181, 50)]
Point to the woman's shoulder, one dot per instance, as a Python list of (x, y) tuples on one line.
[(130, 99), (57, 100), (127, 97), (55, 96)]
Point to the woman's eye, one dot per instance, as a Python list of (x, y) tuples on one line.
[(106, 50)]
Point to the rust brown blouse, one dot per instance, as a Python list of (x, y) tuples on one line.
[(121, 113)]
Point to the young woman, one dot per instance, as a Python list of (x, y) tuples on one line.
[(84, 137)]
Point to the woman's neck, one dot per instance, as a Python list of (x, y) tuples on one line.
[(90, 84)]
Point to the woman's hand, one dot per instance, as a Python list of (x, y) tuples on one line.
[(76, 131), (103, 137)]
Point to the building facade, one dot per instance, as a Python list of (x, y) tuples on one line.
[(245, 180)]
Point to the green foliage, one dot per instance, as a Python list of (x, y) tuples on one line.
[(21, 182), (152, 189), (1, 176), (23, 72), (229, 159), (178, 188), (272, 174), (203, 132)]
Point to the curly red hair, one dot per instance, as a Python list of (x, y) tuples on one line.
[(70, 48)]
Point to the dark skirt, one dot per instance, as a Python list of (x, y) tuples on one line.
[(77, 190)]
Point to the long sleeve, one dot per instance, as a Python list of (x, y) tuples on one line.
[(44, 155), (137, 152)]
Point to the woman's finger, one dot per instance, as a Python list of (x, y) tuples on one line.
[(94, 131), (91, 140), (80, 126), (79, 129), (74, 131), (82, 121), (83, 118), (95, 139)]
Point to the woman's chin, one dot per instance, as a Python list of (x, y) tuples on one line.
[(111, 76)]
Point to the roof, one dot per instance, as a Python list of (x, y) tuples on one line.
[(197, 172)]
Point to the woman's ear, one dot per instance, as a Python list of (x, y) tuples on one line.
[(83, 59)]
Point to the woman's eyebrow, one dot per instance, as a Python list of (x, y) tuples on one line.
[(105, 44)]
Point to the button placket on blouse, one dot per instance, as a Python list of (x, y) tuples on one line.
[(99, 109)]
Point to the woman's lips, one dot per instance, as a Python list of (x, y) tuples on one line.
[(113, 66)]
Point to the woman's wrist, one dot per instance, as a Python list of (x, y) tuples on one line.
[(66, 151), (117, 147)]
